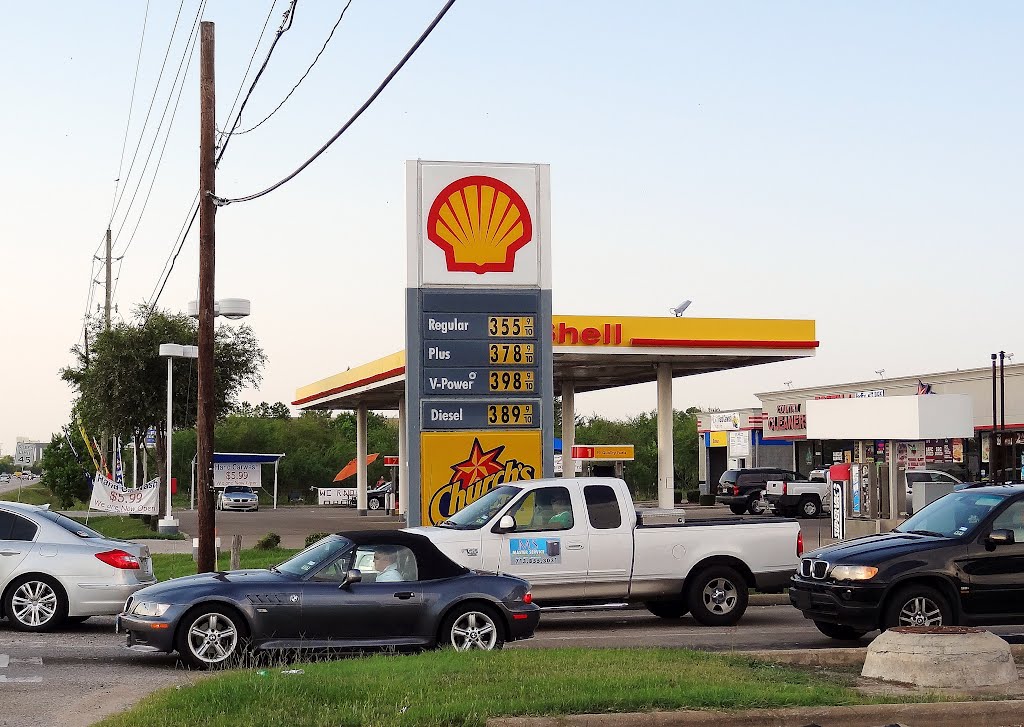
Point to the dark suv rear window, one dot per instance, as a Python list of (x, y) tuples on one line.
[(729, 477)]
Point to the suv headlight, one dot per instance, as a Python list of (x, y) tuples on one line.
[(853, 572), (148, 608)]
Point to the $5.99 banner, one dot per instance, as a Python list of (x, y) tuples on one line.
[(108, 496)]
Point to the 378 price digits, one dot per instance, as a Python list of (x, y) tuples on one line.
[(509, 414), (510, 353)]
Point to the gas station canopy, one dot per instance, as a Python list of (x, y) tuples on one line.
[(599, 352)]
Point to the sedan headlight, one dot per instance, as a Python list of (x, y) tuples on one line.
[(853, 572), (148, 608)]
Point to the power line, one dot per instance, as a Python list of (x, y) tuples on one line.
[(131, 106), (152, 101), (303, 78), (221, 202), (286, 24), (172, 257), (187, 55)]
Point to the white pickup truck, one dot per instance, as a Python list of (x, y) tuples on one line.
[(805, 499), (581, 542)]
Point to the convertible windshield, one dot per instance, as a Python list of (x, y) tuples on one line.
[(953, 516), (314, 556), (480, 512)]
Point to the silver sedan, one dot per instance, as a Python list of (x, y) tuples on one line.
[(55, 570)]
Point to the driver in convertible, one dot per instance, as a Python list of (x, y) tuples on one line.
[(385, 561)]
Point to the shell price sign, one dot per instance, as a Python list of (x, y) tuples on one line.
[(478, 312)]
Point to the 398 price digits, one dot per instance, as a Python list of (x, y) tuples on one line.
[(510, 353), (511, 380), (510, 415), (510, 326)]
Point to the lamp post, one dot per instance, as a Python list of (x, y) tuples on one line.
[(205, 309), (171, 351)]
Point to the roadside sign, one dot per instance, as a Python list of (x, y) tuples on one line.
[(236, 473), (390, 460), (478, 332)]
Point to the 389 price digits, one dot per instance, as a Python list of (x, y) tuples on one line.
[(510, 353), (510, 415), (510, 380)]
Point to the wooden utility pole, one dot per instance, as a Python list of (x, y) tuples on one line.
[(108, 264), (207, 242)]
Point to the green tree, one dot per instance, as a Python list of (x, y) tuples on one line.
[(64, 470), (7, 464), (121, 380)]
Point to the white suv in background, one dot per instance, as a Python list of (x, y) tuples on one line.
[(914, 476)]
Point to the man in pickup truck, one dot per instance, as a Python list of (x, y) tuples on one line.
[(562, 518)]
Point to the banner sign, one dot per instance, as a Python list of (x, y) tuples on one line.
[(108, 496), (236, 473), (336, 495)]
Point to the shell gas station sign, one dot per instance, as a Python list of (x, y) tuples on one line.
[(478, 313)]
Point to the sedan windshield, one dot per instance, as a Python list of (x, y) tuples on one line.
[(237, 488), (480, 512), (314, 556), (953, 516)]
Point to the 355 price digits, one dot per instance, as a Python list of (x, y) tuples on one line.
[(510, 326)]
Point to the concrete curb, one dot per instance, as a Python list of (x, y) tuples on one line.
[(835, 657), (768, 599), (937, 714)]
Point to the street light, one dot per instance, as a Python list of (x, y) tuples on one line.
[(171, 351), (231, 308)]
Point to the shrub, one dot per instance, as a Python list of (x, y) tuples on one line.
[(693, 496), (314, 537), (707, 500), (268, 542)]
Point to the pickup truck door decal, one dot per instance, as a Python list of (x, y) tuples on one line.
[(535, 551)]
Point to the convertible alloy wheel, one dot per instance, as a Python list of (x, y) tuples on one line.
[(373, 504), (474, 630), (34, 605), (211, 639)]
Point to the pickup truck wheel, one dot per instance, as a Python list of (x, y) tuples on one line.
[(668, 609), (810, 507), (917, 606), (717, 596), (738, 509), (839, 631)]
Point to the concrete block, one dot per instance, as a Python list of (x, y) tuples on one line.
[(940, 657)]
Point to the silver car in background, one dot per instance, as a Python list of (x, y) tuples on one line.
[(238, 497), (55, 570)]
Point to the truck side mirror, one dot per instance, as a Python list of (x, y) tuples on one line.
[(352, 576), (1000, 537), (506, 524)]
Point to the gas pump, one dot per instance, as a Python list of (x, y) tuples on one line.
[(839, 477)]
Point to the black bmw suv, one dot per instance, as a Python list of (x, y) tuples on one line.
[(741, 489), (958, 561)]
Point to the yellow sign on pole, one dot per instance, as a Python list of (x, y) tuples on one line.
[(457, 468)]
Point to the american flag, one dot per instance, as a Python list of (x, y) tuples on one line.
[(923, 388)]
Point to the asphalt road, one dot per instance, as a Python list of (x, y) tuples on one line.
[(74, 678)]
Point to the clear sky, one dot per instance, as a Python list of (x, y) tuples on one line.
[(854, 163)]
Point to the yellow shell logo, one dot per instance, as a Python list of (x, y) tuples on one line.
[(480, 222)]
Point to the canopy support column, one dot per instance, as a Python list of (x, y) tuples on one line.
[(403, 465), (276, 462), (568, 427), (666, 476), (361, 459)]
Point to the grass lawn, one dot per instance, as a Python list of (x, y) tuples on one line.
[(175, 565), (38, 494), (455, 689), (125, 528)]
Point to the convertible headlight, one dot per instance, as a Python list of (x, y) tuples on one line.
[(148, 608), (853, 572)]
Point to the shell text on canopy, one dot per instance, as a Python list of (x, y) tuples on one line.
[(480, 222)]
